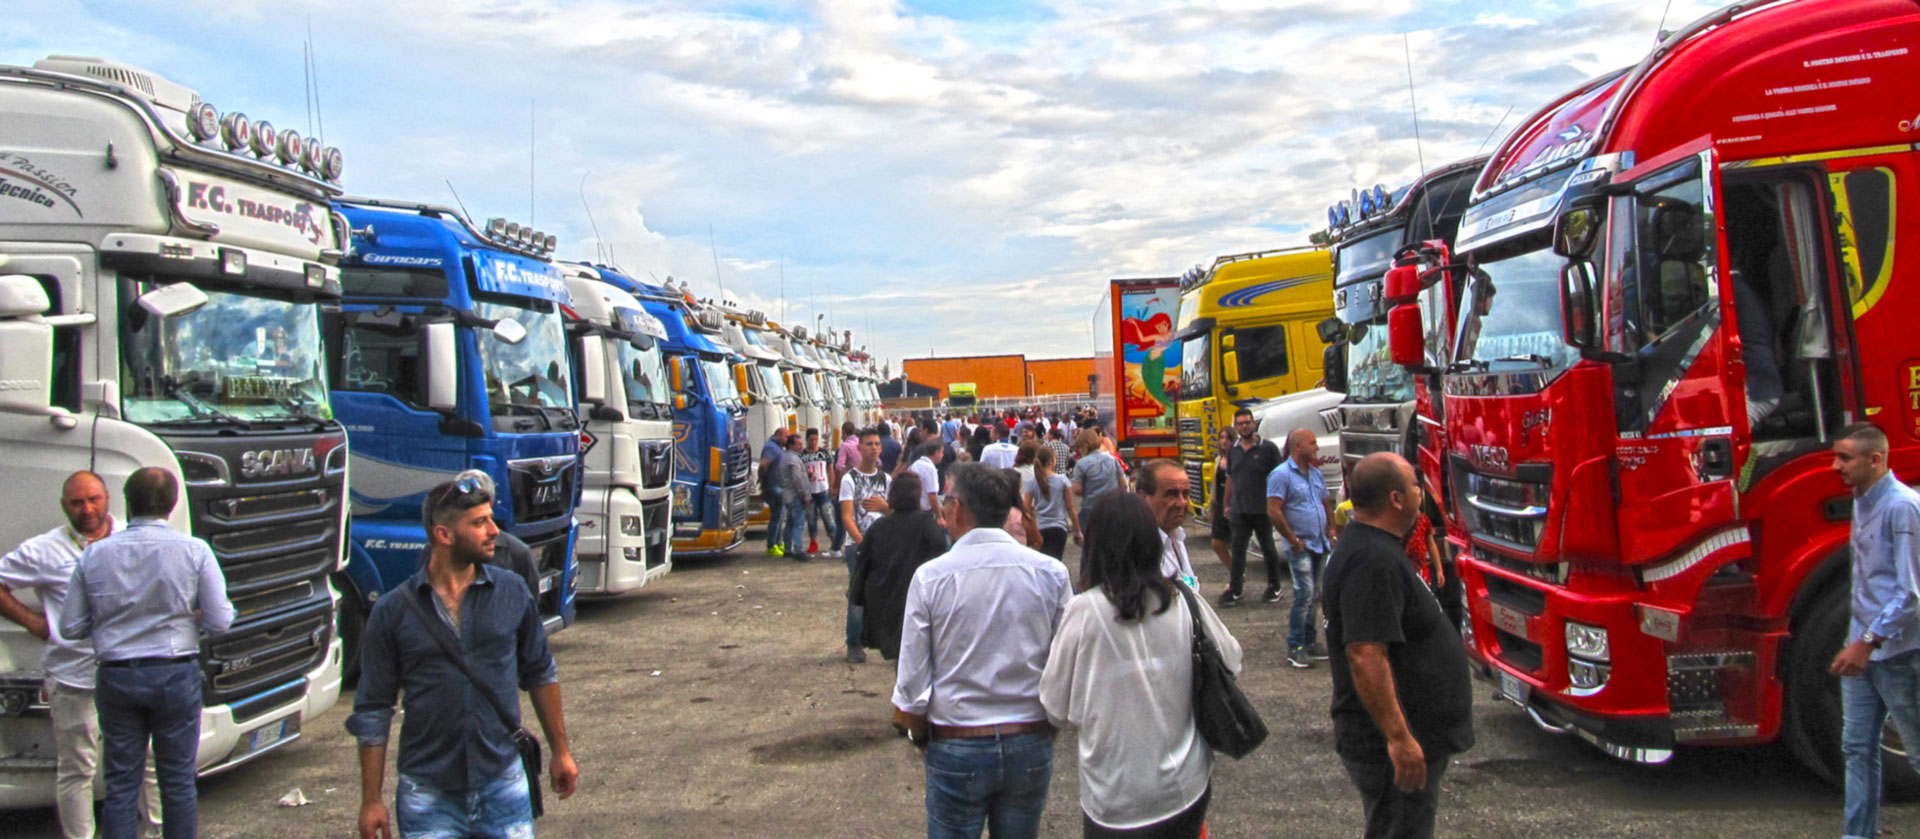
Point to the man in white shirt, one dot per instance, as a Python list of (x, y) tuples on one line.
[(44, 566), (927, 466), (1000, 454), (1163, 483), (979, 622)]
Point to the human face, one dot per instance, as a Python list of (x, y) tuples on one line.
[(1858, 467), (1409, 498), (471, 537), (1244, 425), (1169, 499), (1305, 447), (813, 442), (84, 500), (869, 451)]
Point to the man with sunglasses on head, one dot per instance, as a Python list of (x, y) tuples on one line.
[(460, 770)]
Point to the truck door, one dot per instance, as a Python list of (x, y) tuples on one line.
[(1679, 412)]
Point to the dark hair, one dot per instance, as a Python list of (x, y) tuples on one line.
[(1146, 479), (848, 429), (905, 494), (1042, 471), (1056, 433), (1867, 436), (151, 493), (1122, 555), (1243, 412), (1026, 453), (869, 432), (794, 441), (999, 431), (883, 429), (813, 432), (929, 426), (914, 438), (929, 449), (983, 491), (1375, 478), (444, 503)]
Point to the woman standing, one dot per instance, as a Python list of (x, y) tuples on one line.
[(892, 549), (1049, 500), (1121, 670)]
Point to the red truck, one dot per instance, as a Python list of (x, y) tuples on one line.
[(1675, 285), (1136, 365)]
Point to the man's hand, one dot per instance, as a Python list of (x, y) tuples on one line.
[(375, 823), (1409, 763), (1852, 660), (1298, 544), (913, 727), (37, 625), (566, 776), (875, 505)]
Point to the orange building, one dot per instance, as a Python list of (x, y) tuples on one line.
[(1001, 376)]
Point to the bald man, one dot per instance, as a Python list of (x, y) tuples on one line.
[(1301, 508), (44, 565)]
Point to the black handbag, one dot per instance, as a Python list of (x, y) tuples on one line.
[(1220, 711), (523, 739)]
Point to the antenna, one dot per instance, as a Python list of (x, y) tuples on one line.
[(313, 65), (716, 262), (1426, 207), (783, 288), (1406, 46), (456, 200), (530, 127), (1660, 30), (306, 78), (597, 241)]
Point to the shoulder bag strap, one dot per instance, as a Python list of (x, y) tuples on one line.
[(442, 635), (1200, 639)]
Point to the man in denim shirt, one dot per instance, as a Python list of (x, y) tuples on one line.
[(460, 772), (1880, 666), (1299, 505)]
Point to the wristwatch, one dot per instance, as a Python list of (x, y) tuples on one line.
[(1872, 640)]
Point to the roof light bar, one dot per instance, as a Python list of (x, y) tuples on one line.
[(240, 135), (514, 236)]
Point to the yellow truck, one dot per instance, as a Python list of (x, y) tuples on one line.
[(1247, 328)]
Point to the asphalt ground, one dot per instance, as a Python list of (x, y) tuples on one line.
[(716, 703)]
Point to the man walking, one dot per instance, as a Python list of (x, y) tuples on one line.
[(1000, 454), (770, 455), (791, 480), (820, 509), (1880, 665), (1164, 484), (979, 623), (1249, 461), (927, 466), (136, 595), (889, 449), (863, 500), (1300, 506), (1402, 699), (44, 566), (460, 771)]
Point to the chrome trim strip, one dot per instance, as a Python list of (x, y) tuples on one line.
[(1738, 535)]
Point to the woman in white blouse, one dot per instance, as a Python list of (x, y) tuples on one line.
[(1121, 671)]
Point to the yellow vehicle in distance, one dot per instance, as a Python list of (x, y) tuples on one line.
[(960, 396), (1248, 327)]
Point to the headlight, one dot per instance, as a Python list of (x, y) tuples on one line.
[(1587, 675), (1588, 642), (630, 525)]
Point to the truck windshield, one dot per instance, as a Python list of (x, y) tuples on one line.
[(1196, 368), (1521, 327), (719, 380), (530, 374), (238, 359), (772, 383), (645, 373)]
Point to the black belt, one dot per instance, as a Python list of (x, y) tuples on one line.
[(150, 662)]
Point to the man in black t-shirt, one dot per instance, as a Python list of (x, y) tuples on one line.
[(1248, 463), (1402, 699)]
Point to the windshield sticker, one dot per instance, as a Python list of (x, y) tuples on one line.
[(1805, 88), (1859, 56), (297, 216), (504, 274)]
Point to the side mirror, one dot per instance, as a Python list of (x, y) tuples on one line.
[(593, 369), (1230, 364), (1576, 231), (509, 331), (679, 401), (26, 346), (1333, 365), (1405, 337), (1331, 331), (740, 381), (677, 373), (172, 300), (1577, 311), (22, 295), (442, 378)]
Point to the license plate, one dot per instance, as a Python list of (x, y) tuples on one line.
[(1512, 689), (1509, 620), (271, 733), (546, 584)]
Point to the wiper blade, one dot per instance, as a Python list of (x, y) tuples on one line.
[(1473, 364), (200, 408), (1536, 358)]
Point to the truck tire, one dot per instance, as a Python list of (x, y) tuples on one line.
[(1813, 715), (352, 623)]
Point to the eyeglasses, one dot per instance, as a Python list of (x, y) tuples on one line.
[(464, 493)]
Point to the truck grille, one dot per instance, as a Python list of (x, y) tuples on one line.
[(550, 566), (1196, 484), (733, 507), (656, 464), (265, 654), (739, 462), (653, 523), (1505, 513), (1189, 425), (543, 487)]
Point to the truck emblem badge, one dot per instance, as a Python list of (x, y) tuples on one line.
[(1489, 457), (276, 462)]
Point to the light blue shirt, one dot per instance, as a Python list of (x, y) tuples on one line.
[(1303, 497), (134, 594), (1885, 566)]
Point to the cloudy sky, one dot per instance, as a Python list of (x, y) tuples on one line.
[(963, 176)]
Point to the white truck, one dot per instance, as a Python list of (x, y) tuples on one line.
[(162, 270), (1317, 409), (763, 378), (626, 404), (810, 400)]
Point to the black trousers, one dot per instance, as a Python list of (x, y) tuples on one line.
[(1053, 541), (1243, 528), (1185, 824), (1391, 813)]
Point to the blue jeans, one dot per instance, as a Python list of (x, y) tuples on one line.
[(1303, 623), (775, 524), (1889, 687), (999, 783), (856, 615), (795, 526), (500, 810), (158, 703), (824, 510)]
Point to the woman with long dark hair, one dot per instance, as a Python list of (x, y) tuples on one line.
[(1121, 671), (981, 439), (892, 549)]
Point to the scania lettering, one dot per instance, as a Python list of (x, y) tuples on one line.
[(162, 266), (626, 406), (1653, 543), (450, 353)]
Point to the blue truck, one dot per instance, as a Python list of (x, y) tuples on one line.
[(449, 352), (712, 457)]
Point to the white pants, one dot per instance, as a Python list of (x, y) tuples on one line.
[(76, 745)]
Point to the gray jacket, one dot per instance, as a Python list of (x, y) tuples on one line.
[(794, 486)]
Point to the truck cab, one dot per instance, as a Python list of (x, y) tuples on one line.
[(810, 403), (1246, 328), (449, 352), (626, 405), (162, 270), (770, 404)]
